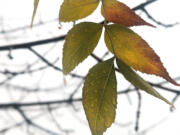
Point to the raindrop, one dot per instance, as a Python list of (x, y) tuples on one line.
[(107, 124), (95, 100), (95, 91), (92, 83), (105, 109), (91, 75), (72, 35), (114, 101), (85, 30), (73, 61)]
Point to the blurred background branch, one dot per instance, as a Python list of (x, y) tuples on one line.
[(36, 98)]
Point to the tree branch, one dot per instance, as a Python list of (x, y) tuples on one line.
[(55, 39)]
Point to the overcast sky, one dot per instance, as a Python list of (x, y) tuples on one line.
[(165, 42)]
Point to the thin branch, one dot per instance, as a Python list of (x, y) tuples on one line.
[(30, 122), (96, 58), (173, 101), (52, 65), (143, 5), (18, 124), (26, 26), (157, 22), (45, 103), (31, 44), (66, 131), (138, 110), (165, 88), (55, 39), (14, 74)]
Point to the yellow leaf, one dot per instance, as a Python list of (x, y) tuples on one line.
[(119, 13), (36, 2), (79, 43), (72, 10), (100, 96), (137, 81), (134, 51)]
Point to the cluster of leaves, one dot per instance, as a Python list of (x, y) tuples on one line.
[(129, 49)]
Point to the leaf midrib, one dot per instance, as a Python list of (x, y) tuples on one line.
[(103, 92)]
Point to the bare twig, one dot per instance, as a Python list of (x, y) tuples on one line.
[(138, 110)]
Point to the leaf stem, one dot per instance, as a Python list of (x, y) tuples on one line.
[(105, 20), (111, 42)]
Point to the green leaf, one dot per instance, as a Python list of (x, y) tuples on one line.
[(79, 43), (100, 96), (36, 2), (72, 10), (137, 81)]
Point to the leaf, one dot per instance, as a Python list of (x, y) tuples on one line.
[(72, 10), (137, 81), (36, 2), (134, 51), (100, 96), (79, 43), (119, 13)]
